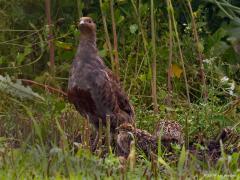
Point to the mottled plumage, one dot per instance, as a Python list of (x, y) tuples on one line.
[(144, 140), (171, 132), (92, 87)]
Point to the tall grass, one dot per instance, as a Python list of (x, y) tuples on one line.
[(49, 140)]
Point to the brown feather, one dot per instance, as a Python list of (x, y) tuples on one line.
[(146, 142), (92, 87)]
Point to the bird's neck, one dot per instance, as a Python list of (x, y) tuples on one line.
[(88, 44)]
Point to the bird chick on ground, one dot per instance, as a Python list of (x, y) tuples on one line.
[(171, 132)]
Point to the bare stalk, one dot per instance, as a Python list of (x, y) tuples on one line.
[(144, 39), (46, 87), (154, 165), (145, 43), (107, 37), (108, 138), (154, 63), (170, 7), (142, 34), (100, 131), (137, 13), (50, 34), (115, 41), (169, 77), (186, 131), (132, 156), (86, 134), (79, 8), (200, 55)]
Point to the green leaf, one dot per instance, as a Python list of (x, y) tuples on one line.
[(63, 45), (216, 37), (164, 163), (20, 57), (103, 53), (181, 161), (16, 89), (27, 50), (200, 47), (234, 32), (1, 60), (219, 48), (220, 118), (144, 8), (133, 28), (142, 77), (118, 17)]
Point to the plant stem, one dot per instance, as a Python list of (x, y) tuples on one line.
[(180, 50), (79, 8), (115, 41), (154, 64), (100, 132), (200, 55), (169, 77), (50, 34), (137, 13), (46, 87), (107, 36), (108, 133)]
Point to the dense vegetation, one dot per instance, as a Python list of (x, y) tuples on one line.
[(177, 60)]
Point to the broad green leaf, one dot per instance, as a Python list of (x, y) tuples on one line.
[(16, 89)]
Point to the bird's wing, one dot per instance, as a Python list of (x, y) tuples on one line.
[(124, 103), (102, 92), (122, 99)]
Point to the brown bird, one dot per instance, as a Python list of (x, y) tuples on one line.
[(92, 87), (169, 131), (143, 140)]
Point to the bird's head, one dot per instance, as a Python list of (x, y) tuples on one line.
[(87, 26), (125, 127)]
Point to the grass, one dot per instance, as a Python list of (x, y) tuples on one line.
[(45, 144), (34, 162), (45, 138)]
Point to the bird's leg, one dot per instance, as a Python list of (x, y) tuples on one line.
[(108, 132), (98, 139), (86, 134), (95, 142)]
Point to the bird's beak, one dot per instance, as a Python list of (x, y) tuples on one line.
[(81, 22)]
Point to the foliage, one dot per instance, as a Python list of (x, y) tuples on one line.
[(17, 89), (39, 130)]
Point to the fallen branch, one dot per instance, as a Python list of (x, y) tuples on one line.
[(46, 87)]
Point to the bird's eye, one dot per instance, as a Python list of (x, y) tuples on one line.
[(89, 21)]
